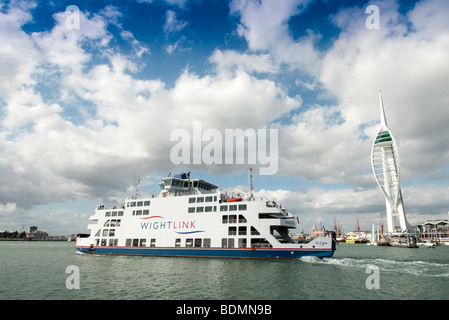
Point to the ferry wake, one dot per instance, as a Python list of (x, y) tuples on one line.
[(192, 218)]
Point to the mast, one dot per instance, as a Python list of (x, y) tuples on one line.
[(251, 195), (137, 196)]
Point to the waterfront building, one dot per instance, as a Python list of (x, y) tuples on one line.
[(385, 165), (434, 229)]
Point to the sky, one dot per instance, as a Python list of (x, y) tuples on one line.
[(92, 93)]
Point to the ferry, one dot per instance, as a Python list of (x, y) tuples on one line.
[(193, 218)]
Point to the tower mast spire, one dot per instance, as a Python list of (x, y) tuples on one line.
[(385, 164), (383, 119)]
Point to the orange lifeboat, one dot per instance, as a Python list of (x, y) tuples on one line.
[(234, 200)]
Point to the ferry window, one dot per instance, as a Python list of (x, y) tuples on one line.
[(132, 204), (224, 243), (192, 200), (113, 222), (103, 242), (191, 209), (177, 242), (223, 208), (232, 218), (134, 212), (199, 209), (260, 242), (215, 208), (97, 242), (254, 232), (114, 213), (98, 233), (120, 213), (106, 224), (105, 232), (215, 198), (208, 209), (200, 199), (108, 214), (195, 184), (139, 203), (112, 232), (242, 231), (231, 243), (189, 242), (146, 203), (232, 231), (242, 243), (153, 243), (118, 222), (143, 243), (242, 207), (135, 242), (128, 242), (208, 199), (242, 219), (112, 242), (233, 207), (138, 212), (206, 243), (198, 242), (225, 219), (146, 212)]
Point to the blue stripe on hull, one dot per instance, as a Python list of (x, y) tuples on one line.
[(211, 252)]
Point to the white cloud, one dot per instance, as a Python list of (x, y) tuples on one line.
[(16, 69), (230, 61), (264, 24), (172, 24), (63, 47), (125, 121), (406, 58)]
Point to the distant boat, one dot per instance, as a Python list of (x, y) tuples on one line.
[(354, 239)]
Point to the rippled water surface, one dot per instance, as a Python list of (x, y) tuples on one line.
[(37, 270)]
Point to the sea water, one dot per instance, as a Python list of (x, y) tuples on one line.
[(46, 270)]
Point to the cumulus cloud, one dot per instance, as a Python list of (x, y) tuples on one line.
[(264, 25), (124, 123), (229, 61), (331, 143), (78, 122)]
